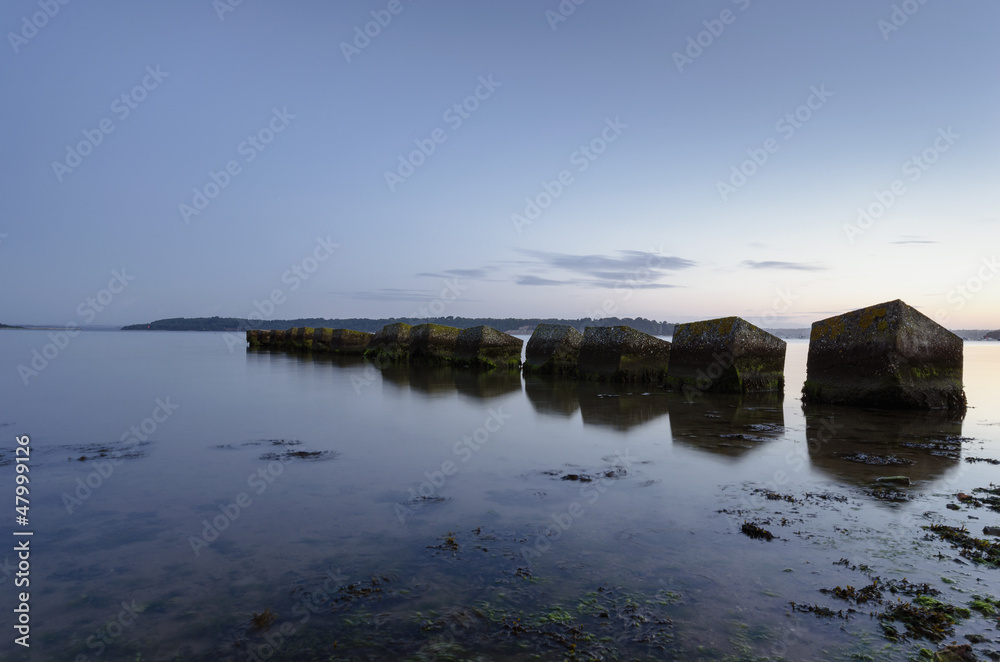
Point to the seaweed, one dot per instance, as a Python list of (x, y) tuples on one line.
[(751, 530), (975, 549)]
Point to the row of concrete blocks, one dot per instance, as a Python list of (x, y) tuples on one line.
[(888, 355), (480, 346)]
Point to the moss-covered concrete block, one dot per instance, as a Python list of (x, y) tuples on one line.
[(347, 341), (299, 338), (553, 349), (484, 346), (391, 342), (726, 355), (322, 339), (889, 355), (319, 340), (433, 342), (622, 354)]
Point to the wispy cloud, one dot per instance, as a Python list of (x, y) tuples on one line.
[(636, 269), (620, 263), (777, 264), (535, 280), (392, 294), (911, 239), (481, 273), (583, 282)]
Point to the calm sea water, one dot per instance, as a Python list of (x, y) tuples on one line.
[(273, 506)]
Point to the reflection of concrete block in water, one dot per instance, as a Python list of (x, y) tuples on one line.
[(727, 355), (433, 341), (391, 342), (731, 424), (552, 395), (486, 384), (619, 406), (889, 355), (487, 347), (553, 349), (861, 445), (620, 353)]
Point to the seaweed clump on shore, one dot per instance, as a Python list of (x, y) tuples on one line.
[(977, 550), (751, 530)]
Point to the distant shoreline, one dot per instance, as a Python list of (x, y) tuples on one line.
[(513, 326)]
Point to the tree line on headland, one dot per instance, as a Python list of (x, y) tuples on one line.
[(507, 324)]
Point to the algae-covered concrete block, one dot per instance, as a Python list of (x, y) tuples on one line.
[(346, 341), (433, 342), (726, 355), (322, 338), (254, 337), (620, 353), (487, 347), (889, 355), (392, 342), (553, 349), (299, 338)]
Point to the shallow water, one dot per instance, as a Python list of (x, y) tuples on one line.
[(444, 505)]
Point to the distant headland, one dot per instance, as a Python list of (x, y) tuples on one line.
[(515, 325)]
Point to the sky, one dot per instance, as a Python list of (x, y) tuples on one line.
[(782, 161)]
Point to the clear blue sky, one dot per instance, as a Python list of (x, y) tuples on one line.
[(648, 220)]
